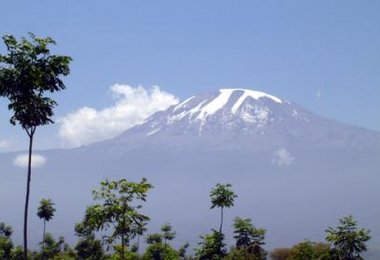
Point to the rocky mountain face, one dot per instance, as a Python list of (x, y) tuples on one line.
[(295, 172)]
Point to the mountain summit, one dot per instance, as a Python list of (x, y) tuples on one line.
[(240, 119)]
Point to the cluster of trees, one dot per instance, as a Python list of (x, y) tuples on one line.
[(27, 72), (113, 226)]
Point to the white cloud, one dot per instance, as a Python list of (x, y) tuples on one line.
[(21, 160), (132, 105), (318, 94), (4, 144), (282, 157)]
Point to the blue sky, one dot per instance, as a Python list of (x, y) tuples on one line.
[(323, 55)]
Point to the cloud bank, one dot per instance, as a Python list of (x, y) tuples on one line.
[(132, 105), (22, 160), (282, 157)]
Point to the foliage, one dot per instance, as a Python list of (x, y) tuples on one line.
[(117, 210), (182, 251), (89, 248), (249, 239), (222, 197), (27, 72), (157, 250), (51, 248), (167, 233), (17, 253), (348, 242), (46, 210), (281, 254), (211, 246), (6, 244), (305, 250)]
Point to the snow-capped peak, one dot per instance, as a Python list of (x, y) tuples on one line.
[(209, 107), (224, 111), (253, 94)]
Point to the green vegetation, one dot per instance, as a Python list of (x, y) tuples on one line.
[(348, 242), (27, 72), (45, 212), (116, 220), (222, 197)]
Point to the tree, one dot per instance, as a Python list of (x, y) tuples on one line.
[(26, 73), (348, 242), (88, 247), (249, 239), (212, 246), (305, 250), (52, 248), (222, 197), (46, 213), (117, 210), (6, 244), (157, 250), (167, 234), (182, 251)]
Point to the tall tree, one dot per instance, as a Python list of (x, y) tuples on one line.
[(117, 209), (348, 242), (222, 196), (46, 213), (27, 71)]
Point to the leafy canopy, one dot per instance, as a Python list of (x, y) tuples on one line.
[(347, 240), (46, 210), (26, 73), (117, 210), (222, 196)]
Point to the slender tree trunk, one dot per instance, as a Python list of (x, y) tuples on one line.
[(31, 134), (122, 247), (221, 220), (43, 241)]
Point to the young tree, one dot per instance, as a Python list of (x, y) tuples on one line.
[(222, 197), (348, 242), (182, 251), (6, 244), (211, 246), (167, 233), (157, 250), (117, 210), (46, 213), (52, 248), (26, 73), (88, 247), (249, 239)]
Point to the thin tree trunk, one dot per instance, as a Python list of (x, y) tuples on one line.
[(43, 241), (122, 247), (221, 220), (31, 134)]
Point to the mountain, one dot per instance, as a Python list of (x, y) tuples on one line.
[(295, 172)]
